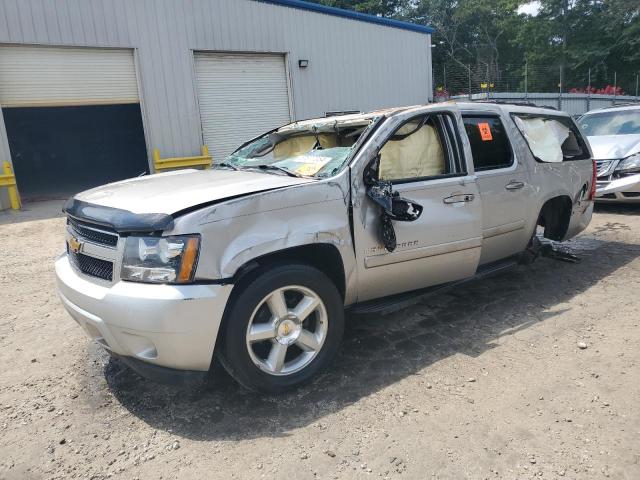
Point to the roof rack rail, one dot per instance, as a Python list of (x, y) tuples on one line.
[(625, 104), (519, 104), (338, 113)]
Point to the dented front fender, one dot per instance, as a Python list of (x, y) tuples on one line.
[(240, 230)]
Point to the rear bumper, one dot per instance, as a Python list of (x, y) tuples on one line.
[(169, 326), (580, 218)]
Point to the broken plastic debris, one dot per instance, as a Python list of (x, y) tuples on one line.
[(547, 248)]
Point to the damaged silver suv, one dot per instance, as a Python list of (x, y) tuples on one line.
[(255, 261)]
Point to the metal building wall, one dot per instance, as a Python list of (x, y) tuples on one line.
[(353, 65)]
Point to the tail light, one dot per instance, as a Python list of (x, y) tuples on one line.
[(594, 177)]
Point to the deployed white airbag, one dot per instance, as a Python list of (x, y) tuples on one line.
[(418, 155), (545, 137)]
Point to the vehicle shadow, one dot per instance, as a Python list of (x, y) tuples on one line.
[(378, 350)]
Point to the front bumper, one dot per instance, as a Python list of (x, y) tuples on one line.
[(171, 326), (624, 189)]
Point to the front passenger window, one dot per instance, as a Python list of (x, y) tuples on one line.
[(414, 151)]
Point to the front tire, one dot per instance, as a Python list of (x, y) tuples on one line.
[(283, 326)]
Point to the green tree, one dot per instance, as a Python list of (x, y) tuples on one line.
[(598, 35), (472, 39), (493, 41)]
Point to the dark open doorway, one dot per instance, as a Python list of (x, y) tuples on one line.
[(59, 151)]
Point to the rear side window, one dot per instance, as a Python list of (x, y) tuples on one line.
[(552, 139), (489, 143)]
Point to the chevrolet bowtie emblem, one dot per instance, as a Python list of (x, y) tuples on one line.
[(75, 245), (286, 329)]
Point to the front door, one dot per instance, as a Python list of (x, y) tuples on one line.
[(425, 163)]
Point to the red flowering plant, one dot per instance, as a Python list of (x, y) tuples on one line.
[(608, 90)]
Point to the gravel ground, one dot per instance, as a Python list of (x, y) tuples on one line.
[(530, 374)]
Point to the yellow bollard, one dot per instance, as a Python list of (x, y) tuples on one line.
[(156, 159), (205, 154), (160, 164), (8, 179)]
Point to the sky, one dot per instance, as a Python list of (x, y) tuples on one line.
[(530, 8)]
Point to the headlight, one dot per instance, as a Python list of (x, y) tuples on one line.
[(160, 259), (629, 164)]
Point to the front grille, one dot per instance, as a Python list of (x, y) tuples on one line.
[(94, 267), (93, 234), (604, 167), (631, 194)]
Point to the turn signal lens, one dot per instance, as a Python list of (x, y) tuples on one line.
[(189, 258)]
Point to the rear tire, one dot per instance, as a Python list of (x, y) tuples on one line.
[(282, 327)]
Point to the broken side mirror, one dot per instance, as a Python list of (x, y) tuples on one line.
[(394, 207), (404, 210)]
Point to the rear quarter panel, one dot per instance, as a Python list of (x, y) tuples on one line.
[(570, 178)]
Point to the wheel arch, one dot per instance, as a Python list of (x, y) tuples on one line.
[(555, 216), (324, 256)]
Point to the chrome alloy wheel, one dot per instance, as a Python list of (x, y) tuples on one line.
[(287, 330)]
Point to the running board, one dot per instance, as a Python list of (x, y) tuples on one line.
[(400, 301)]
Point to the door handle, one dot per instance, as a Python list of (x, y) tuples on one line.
[(513, 185), (460, 198)]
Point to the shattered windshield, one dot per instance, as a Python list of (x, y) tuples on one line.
[(318, 148), (611, 123)]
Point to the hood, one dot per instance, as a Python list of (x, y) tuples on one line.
[(170, 192), (610, 147)]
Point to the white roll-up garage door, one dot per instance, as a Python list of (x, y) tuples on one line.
[(240, 97), (56, 76)]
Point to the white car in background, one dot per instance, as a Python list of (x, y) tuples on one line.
[(614, 135)]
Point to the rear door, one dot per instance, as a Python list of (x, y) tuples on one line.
[(427, 165), (504, 187)]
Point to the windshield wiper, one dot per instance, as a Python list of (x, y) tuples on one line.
[(227, 165), (274, 168)]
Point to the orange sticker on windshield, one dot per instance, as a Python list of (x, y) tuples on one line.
[(485, 132)]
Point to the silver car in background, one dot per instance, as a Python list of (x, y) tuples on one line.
[(614, 135)]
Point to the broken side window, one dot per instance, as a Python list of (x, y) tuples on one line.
[(414, 151), (551, 139)]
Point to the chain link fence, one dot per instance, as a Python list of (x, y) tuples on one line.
[(576, 91)]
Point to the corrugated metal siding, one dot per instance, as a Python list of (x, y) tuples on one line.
[(353, 65), (240, 96), (49, 76)]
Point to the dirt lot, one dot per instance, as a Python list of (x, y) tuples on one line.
[(486, 382)]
